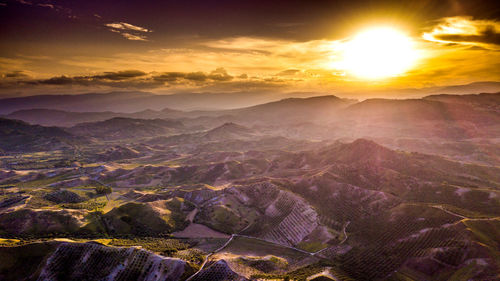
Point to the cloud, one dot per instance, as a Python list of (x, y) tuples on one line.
[(123, 79), (196, 76), (127, 26), (219, 74), (61, 80), (46, 5), (169, 76), (288, 72), (129, 31), (120, 75), (466, 31), (15, 74), (488, 36), (24, 2), (254, 55), (250, 63), (134, 37), (107, 78), (216, 80)]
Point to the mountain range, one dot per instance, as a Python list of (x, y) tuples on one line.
[(294, 189)]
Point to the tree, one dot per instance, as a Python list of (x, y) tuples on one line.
[(103, 189)]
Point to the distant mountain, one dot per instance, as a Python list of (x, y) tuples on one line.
[(134, 101), (291, 104), (466, 89), (471, 88), (125, 128), (434, 116), (18, 136), (53, 117), (417, 110), (292, 109), (396, 110), (226, 132), (490, 101), (229, 131), (115, 101), (129, 102), (72, 110)]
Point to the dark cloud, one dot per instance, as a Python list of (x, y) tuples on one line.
[(120, 75), (488, 35), (61, 80), (92, 81), (196, 76), (47, 4), (169, 76), (288, 72), (121, 79), (219, 74), (15, 74), (466, 30), (86, 80)]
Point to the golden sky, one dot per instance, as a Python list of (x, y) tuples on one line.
[(83, 51)]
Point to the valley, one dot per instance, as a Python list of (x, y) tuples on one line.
[(318, 188)]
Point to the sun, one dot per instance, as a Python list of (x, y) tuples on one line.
[(379, 52)]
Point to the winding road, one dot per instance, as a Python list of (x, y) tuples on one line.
[(260, 239), (440, 207), (210, 254)]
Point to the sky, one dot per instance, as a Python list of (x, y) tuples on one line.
[(70, 47)]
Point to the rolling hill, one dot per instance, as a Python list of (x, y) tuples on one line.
[(60, 118), (20, 136), (125, 128)]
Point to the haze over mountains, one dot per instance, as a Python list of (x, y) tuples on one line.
[(135, 101), (379, 189)]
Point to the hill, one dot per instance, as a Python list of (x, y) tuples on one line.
[(60, 118), (491, 101), (114, 101), (125, 128), (433, 117), (292, 109), (88, 261), (129, 102), (229, 131), (19, 136)]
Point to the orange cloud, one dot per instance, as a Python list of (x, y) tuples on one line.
[(466, 30), (129, 31)]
